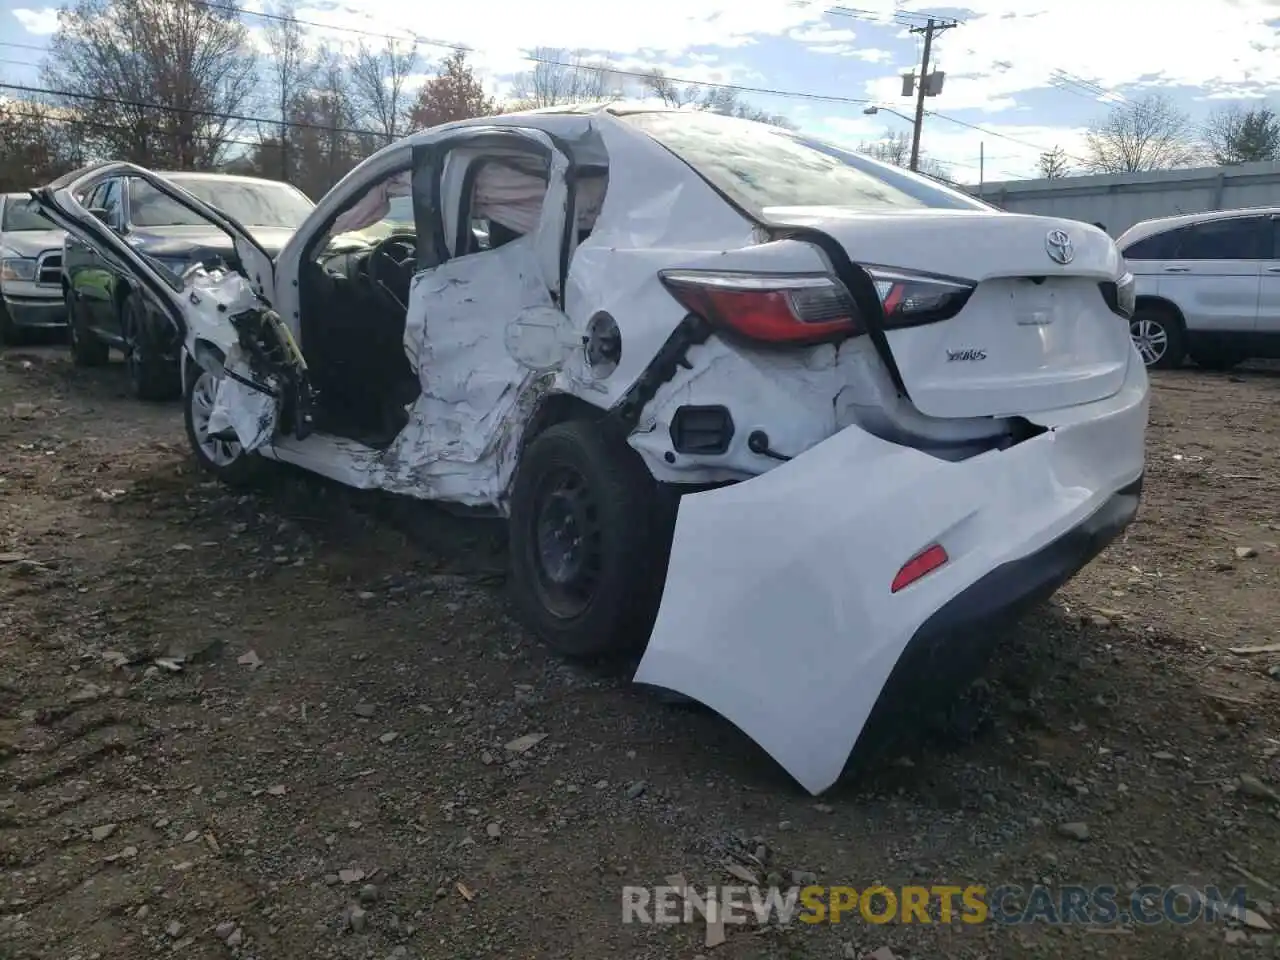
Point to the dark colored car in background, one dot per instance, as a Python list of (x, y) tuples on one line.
[(103, 307), (30, 269)]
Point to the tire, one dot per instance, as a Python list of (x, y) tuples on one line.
[(152, 376), (87, 350), (1158, 336), (11, 335), (580, 480), (225, 460)]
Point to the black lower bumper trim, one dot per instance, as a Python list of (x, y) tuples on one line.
[(1010, 587), (953, 646)]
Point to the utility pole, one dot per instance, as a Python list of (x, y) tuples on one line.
[(927, 84)]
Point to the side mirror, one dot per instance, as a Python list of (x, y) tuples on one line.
[(100, 213)]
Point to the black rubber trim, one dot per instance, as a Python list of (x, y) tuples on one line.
[(251, 384), (671, 356), (860, 286)]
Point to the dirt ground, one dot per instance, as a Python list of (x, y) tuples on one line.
[(273, 724)]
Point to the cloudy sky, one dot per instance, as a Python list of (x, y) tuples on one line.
[(1023, 76)]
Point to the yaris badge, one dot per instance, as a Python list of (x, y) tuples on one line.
[(1058, 245)]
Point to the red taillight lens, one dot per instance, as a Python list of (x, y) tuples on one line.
[(910, 299), (812, 308), (774, 308), (922, 563)]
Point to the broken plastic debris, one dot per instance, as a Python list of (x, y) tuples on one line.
[(526, 743), (1261, 648), (249, 659)]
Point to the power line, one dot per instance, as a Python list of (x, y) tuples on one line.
[(280, 18), (229, 8), (97, 125), (736, 87), (1002, 136), (190, 111), (534, 58)]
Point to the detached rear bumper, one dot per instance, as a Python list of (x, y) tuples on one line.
[(778, 610)]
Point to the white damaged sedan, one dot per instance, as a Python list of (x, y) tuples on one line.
[(797, 425)]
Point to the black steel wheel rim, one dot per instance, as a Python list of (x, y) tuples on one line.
[(565, 542)]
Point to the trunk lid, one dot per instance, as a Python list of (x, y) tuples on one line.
[(1036, 334)]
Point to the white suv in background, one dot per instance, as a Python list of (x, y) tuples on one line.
[(1208, 287)]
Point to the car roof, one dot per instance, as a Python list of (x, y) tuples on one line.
[(1148, 228), (209, 175)]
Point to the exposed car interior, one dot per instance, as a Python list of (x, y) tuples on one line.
[(354, 300)]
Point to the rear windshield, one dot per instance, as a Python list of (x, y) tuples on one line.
[(253, 203), (22, 213), (757, 166)]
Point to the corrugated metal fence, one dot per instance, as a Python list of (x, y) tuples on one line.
[(1120, 200)]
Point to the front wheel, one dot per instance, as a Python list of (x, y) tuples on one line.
[(590, 534), (151, 375), (87, 350), (226, 459), (1157, 335), (10, 332)]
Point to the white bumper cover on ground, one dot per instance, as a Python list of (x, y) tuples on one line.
[(777, 611)]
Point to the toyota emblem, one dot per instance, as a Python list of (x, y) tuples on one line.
[(1058, 245)]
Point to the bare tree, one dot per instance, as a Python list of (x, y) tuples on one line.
[(1053, 164), (323, 142), (672, 94), (716, 99), (378, 80), (560, 77), (894, 147), (291, 71), (1237, 134), (37, 143), (1146, 134), (154, 81)]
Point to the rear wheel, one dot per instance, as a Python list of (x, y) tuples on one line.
[(225, 459), (589, 540), (1157, 334), (151, 375), (86, 349)]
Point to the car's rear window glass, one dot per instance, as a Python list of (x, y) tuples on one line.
[(758, 166)]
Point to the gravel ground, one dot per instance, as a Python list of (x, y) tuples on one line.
[(275, 724)]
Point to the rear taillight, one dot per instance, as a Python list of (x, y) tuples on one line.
[(807, 308), (774, 308), (911, 299), (1120, 295)]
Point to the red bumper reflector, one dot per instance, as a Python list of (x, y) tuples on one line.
[(915, 568)]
